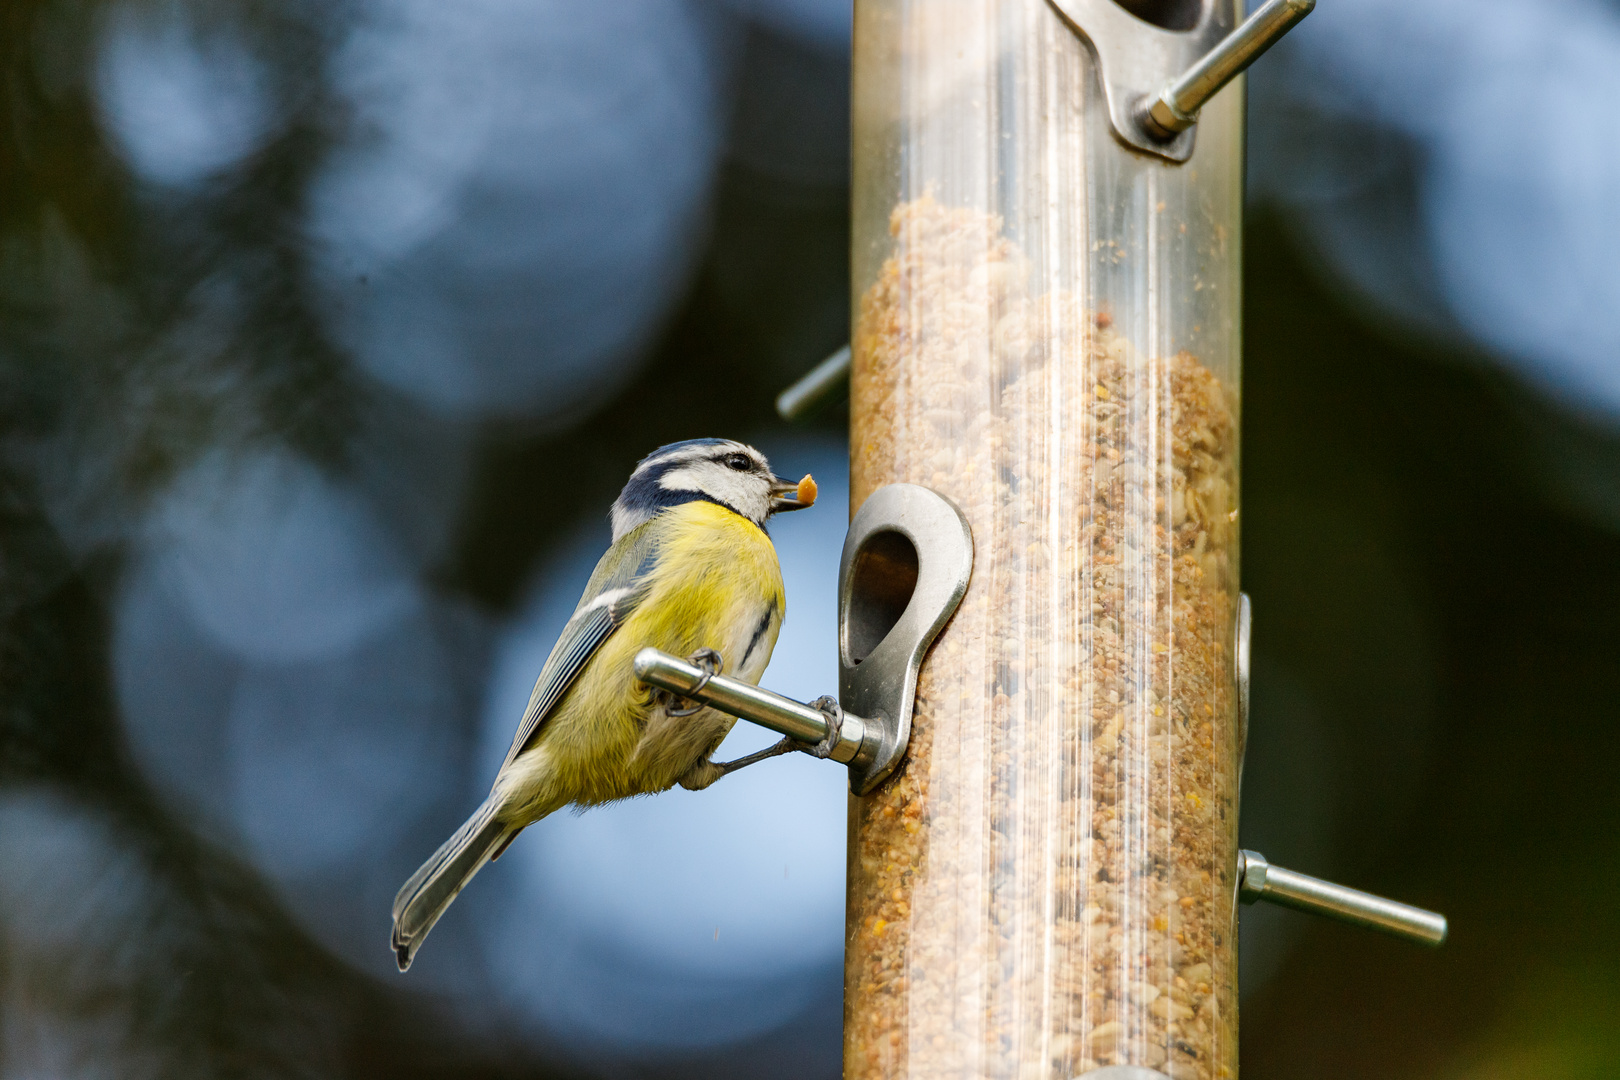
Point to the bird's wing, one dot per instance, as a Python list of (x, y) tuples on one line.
[(620, 583)]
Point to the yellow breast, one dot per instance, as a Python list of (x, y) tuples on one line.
[(715, 570), (716, 585)]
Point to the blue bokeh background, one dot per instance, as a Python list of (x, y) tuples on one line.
[(328, 333)]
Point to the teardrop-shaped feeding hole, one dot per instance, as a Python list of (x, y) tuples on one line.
[(1166, 14), (881, 583)]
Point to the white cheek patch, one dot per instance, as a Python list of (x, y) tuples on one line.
[(745, 493), (686, 478)]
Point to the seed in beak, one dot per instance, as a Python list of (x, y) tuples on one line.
[(786, 495)]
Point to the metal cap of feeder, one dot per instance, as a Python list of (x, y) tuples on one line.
[(905, 568)]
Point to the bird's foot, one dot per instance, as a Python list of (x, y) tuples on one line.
[(828, 706), (710, 663), (786, 746)]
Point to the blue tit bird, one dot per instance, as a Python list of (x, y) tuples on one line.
[(691, 571)]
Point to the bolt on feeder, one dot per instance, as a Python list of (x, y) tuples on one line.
[(1044, 667)]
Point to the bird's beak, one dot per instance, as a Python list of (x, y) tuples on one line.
[(792, 495)]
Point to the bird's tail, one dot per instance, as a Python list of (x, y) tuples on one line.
[(427, 894)]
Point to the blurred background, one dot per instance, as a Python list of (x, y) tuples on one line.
[(328, 331)]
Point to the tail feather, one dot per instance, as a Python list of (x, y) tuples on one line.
[(429, 891)]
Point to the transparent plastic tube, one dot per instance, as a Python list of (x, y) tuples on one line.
[(1047, 332)]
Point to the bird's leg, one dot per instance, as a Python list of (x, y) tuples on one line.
[(786, 746), (710, 663), (706, 772), (828, 706)]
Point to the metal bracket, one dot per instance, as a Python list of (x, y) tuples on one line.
[(1136, 60), (1156, 80), (906, 563)]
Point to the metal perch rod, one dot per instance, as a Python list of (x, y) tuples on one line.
[(1176, 108), (1259, 880), (782, 715)]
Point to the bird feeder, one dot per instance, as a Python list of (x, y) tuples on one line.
[(1044, 878), (1047, 331)]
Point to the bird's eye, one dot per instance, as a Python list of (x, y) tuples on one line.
[(740, 462)]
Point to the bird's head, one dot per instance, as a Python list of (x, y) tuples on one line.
[(732, 474)]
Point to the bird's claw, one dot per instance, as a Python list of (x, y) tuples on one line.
[(710, 663), (828, 706)]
